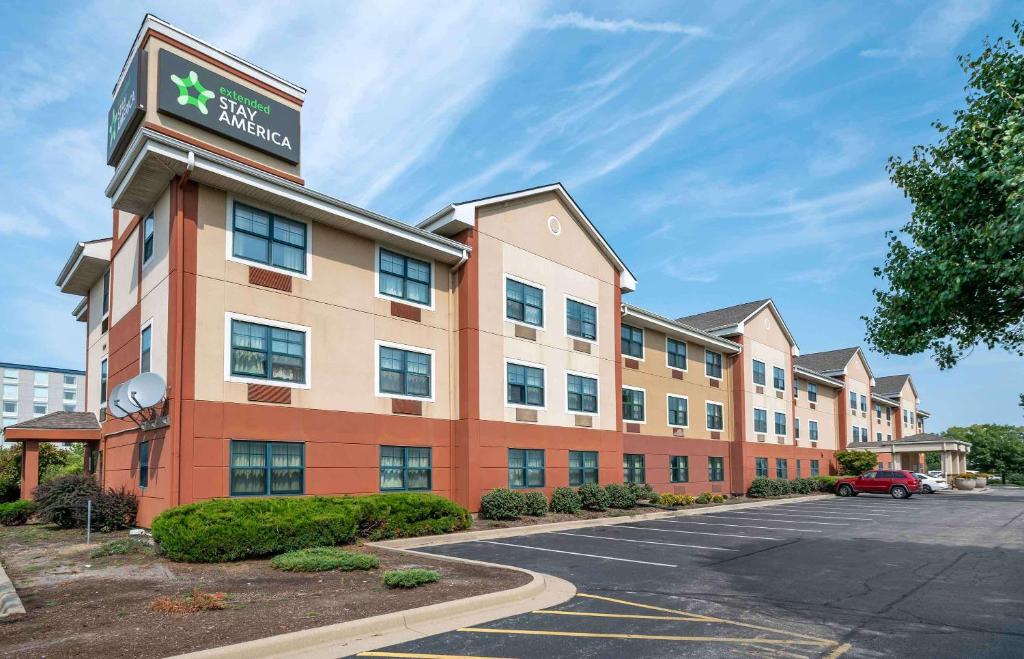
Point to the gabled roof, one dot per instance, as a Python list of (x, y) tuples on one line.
[(729, 320), (644, 318), (892, 385), (817, 377), (85, 265), (832, 362), (60, 421), (459, 216)]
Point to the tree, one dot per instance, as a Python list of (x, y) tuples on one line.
[(995, 449), (855, 463), (53, 462), (933, 461), (956, 274)]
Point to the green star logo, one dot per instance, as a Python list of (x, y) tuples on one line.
[(185, 88)]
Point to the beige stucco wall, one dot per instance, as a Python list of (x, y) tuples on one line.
[(125, 281), (155, 286), (857, 380), (514, 240), (908, 401), (96, 339), (824, 413), (883, 425), (765, 341)]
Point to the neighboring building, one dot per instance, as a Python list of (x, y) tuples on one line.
[(30, 392)]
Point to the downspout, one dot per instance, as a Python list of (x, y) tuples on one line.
[(453, 369), (179, 334)]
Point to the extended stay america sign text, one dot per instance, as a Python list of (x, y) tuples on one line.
[(199, 96)]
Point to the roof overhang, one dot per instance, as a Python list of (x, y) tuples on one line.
[(646, 319), (85, 266), (738, 328), (80, 309), (455, 218), (13, 434), (817, 377), (913, 446), (153, 159), (885, 400)]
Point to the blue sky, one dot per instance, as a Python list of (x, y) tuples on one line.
[(730, 150)]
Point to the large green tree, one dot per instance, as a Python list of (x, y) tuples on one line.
[(955, 273), (995, 449)]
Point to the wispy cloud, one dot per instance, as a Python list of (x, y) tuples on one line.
[(578, 21), (937, 29), (25, 225)]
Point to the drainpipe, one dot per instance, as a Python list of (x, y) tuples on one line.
[(453, 348)]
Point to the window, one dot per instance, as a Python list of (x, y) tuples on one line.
[(856, 434), (888, 414), (716, 469), (404, 372), (143, 464), (863, 403), (878, 411), (41, 379), (864, 436), (148, 229), (525, 385), (405, 468), (853, 400), (759, 373), (676, 353), (814, 468), (761, 467), (261, 468), (146, 341), (580, 320), (582, 467), (878, 436), (760, 420), (632, 404), (10, 408), (10, 392), (781, 468), (678, 411), (715, 420), (778, 378), (267, 352), (70, 381), (524, 303), (268, 239), (525, 468), (812, 392), (103, 382), (888, 438), (906, 416), (633, 468), (70, 395), (581, 394), (780, 423), (106, 293), (40, 394), (679, 469), (10, 376), (798, 468), (70, 407), (812, 430), (38, 409), (796, 388), (632, 342), (713, 364), (404, 277), (796, 427)]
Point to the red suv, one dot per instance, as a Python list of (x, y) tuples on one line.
[(898, 484)]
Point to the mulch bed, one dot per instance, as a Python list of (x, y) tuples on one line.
[(80, 606)]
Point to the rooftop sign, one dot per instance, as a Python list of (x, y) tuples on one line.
[(206, 99), (128, 107)]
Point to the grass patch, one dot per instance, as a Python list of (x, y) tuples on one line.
[(410, 578), (122, 547), (194, 602), (321, 559)]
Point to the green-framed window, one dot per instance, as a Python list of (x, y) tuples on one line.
[(583, 468), (799, 464), (678, 411), (796, 427), (405, 468), (405, 372), (148, 233), (633, 468), (525, 385), (524, 303), (812, 430), (778, 378), (679, 469), (780, 423), (146, 351), (270, 239), (716, 469), (267, 352), (759, 373), (761, 467), (581, 320), (581, 394), (781, 468), (403, 277), (715, 420), (760, 420), (713, 364), (632, 404), (267, 468), (632, 341), (676, 353), (525, 468), (812, 392), (814, 468), (144, 464)]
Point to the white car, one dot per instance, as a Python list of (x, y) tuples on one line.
[(936, 473), (931, 484)]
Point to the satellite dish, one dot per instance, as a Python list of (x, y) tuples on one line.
[(146, 389), (117, 402)]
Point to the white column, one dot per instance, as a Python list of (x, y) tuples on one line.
[(947, 462)]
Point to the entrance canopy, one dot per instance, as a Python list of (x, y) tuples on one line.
[(55, 427), (908, 453)]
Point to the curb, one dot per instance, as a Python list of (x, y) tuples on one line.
[(10, 603)]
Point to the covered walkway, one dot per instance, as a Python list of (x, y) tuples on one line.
[(909, 452), (57, 427)]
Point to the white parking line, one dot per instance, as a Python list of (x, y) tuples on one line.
[(742, 526), (762, 512), (573, 553), (857, 507), (643, 542), (762, 519), (723, 535)]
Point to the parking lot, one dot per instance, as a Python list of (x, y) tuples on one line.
[(935, 575)]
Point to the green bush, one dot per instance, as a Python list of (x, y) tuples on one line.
[(409, 515), (536, 503), (121, 547), (502, 504), (593, 497), (17, 512), (566, 501), (321, 559), (620, 496), (114, 510), (824, 483), (761, 488), (801, 486), (642, 491), (62, 501), (674, 499), (855, 463), (410, 578), (704, 497), (718, 498)]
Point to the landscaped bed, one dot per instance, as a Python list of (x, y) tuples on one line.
[(81, 605)]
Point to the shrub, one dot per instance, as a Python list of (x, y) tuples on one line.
[(593, 497), (620, 496), (536, 503), (62, 501), (855, 463), (760, 488), (704, 497), (321, 559), (801, 486), (642, 491), (121, 547), (565, 500), (113, 510), (502, 504), (675, 499), (410, 578), (17, 512), (408, 515), (718, 498), (825, 483)]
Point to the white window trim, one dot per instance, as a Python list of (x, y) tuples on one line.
[(592, 376), (752, 380), (142, 240), (713, 402), (667, 409), (686, 362), (812, 436), (103, 403), (504, 302), (376, 277), (643, 343), (754, 420), (522, 362), (149, 324), (229, 377), (13, 414), (565, 318), (722, 355), (644, 392), (105, 290), (377, 345), (783, 389), (229, 238)]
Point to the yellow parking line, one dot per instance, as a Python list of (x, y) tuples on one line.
[(649, 637), (631, 616), (838, 652), (414, 655)]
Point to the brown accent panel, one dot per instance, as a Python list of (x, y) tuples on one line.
[(402, 406), (717, 384), (631, 363), (529, 416), (119, 240), (814, 406), (715, 434), (406, 311), (678, 432), (266, 393), (584, 421), (632, 427), (270, 279), (677, 374), (527, 333), (581, 346)]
